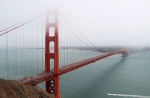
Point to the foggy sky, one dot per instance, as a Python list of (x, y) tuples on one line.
[(103, 22)]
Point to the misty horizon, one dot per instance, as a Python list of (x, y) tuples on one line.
[(104, 23)]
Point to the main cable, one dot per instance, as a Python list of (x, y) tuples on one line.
[(20, 24)]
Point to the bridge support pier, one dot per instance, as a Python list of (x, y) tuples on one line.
[(52, 53), (124, 53)]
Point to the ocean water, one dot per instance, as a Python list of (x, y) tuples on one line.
[(113, 77)]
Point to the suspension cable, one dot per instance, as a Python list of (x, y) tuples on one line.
[(20, 24), (78, 31)]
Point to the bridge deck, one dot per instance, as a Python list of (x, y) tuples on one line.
[(44, 76)]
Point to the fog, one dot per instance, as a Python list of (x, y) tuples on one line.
[(103, 22)]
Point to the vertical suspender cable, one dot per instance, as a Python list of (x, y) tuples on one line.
[(24, 56), (36, 47), (7, 62), (22, 31), (14, 53), (30, 47), (33, 52), (42, 43), (64, 35), (67, 45)]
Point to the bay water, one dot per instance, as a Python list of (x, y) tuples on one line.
[(112, 77)]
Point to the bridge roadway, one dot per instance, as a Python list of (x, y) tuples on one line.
[(44, 76)]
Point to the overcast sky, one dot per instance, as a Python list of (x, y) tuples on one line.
[(103, 22)]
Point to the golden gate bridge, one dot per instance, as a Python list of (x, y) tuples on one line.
[(44, 47)]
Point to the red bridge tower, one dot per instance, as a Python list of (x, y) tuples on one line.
[(52, 52)]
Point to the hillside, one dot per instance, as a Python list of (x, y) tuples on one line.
[(12, 89)]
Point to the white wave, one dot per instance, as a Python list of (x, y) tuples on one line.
[(126, 95)]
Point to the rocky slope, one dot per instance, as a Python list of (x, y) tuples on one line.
[(12, 89)]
